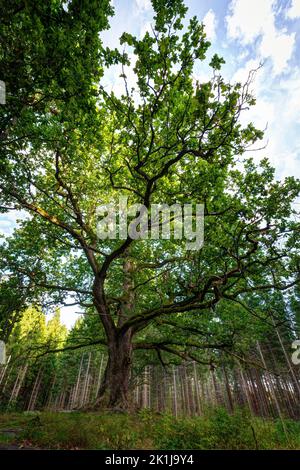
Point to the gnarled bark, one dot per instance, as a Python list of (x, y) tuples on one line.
[(114, 389)]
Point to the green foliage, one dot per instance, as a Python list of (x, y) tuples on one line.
[(12, 302), (32, 333), (295, 307), (215, 430), (216, 62), (31, 337)]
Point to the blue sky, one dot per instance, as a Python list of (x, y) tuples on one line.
[(245, 33)]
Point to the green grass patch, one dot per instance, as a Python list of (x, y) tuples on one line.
[(147, 430)]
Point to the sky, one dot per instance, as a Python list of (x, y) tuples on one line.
[(245, 33)]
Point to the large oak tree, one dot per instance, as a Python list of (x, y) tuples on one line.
[(169, 139)]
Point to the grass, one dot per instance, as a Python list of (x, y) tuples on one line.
[(147, 430)]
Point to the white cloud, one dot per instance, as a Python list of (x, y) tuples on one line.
[(243, 55), (241, 75), (9, 221), (146, 28), (278, 103), (69, 315), (210, 23), (143, 4), (277, 107), (248, 21), (294, 11), (279, 47), (114, 81)]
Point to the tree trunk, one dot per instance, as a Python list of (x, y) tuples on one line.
[(114, 389)]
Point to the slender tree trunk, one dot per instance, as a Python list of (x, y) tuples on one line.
[(197, 391), (246, 390), (175, 393), (145, 388), (228, 390), (99, 376)]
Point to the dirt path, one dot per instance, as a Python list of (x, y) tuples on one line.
[(10, 447), (12, 433)]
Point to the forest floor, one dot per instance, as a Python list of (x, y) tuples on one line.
[(145, 430)]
